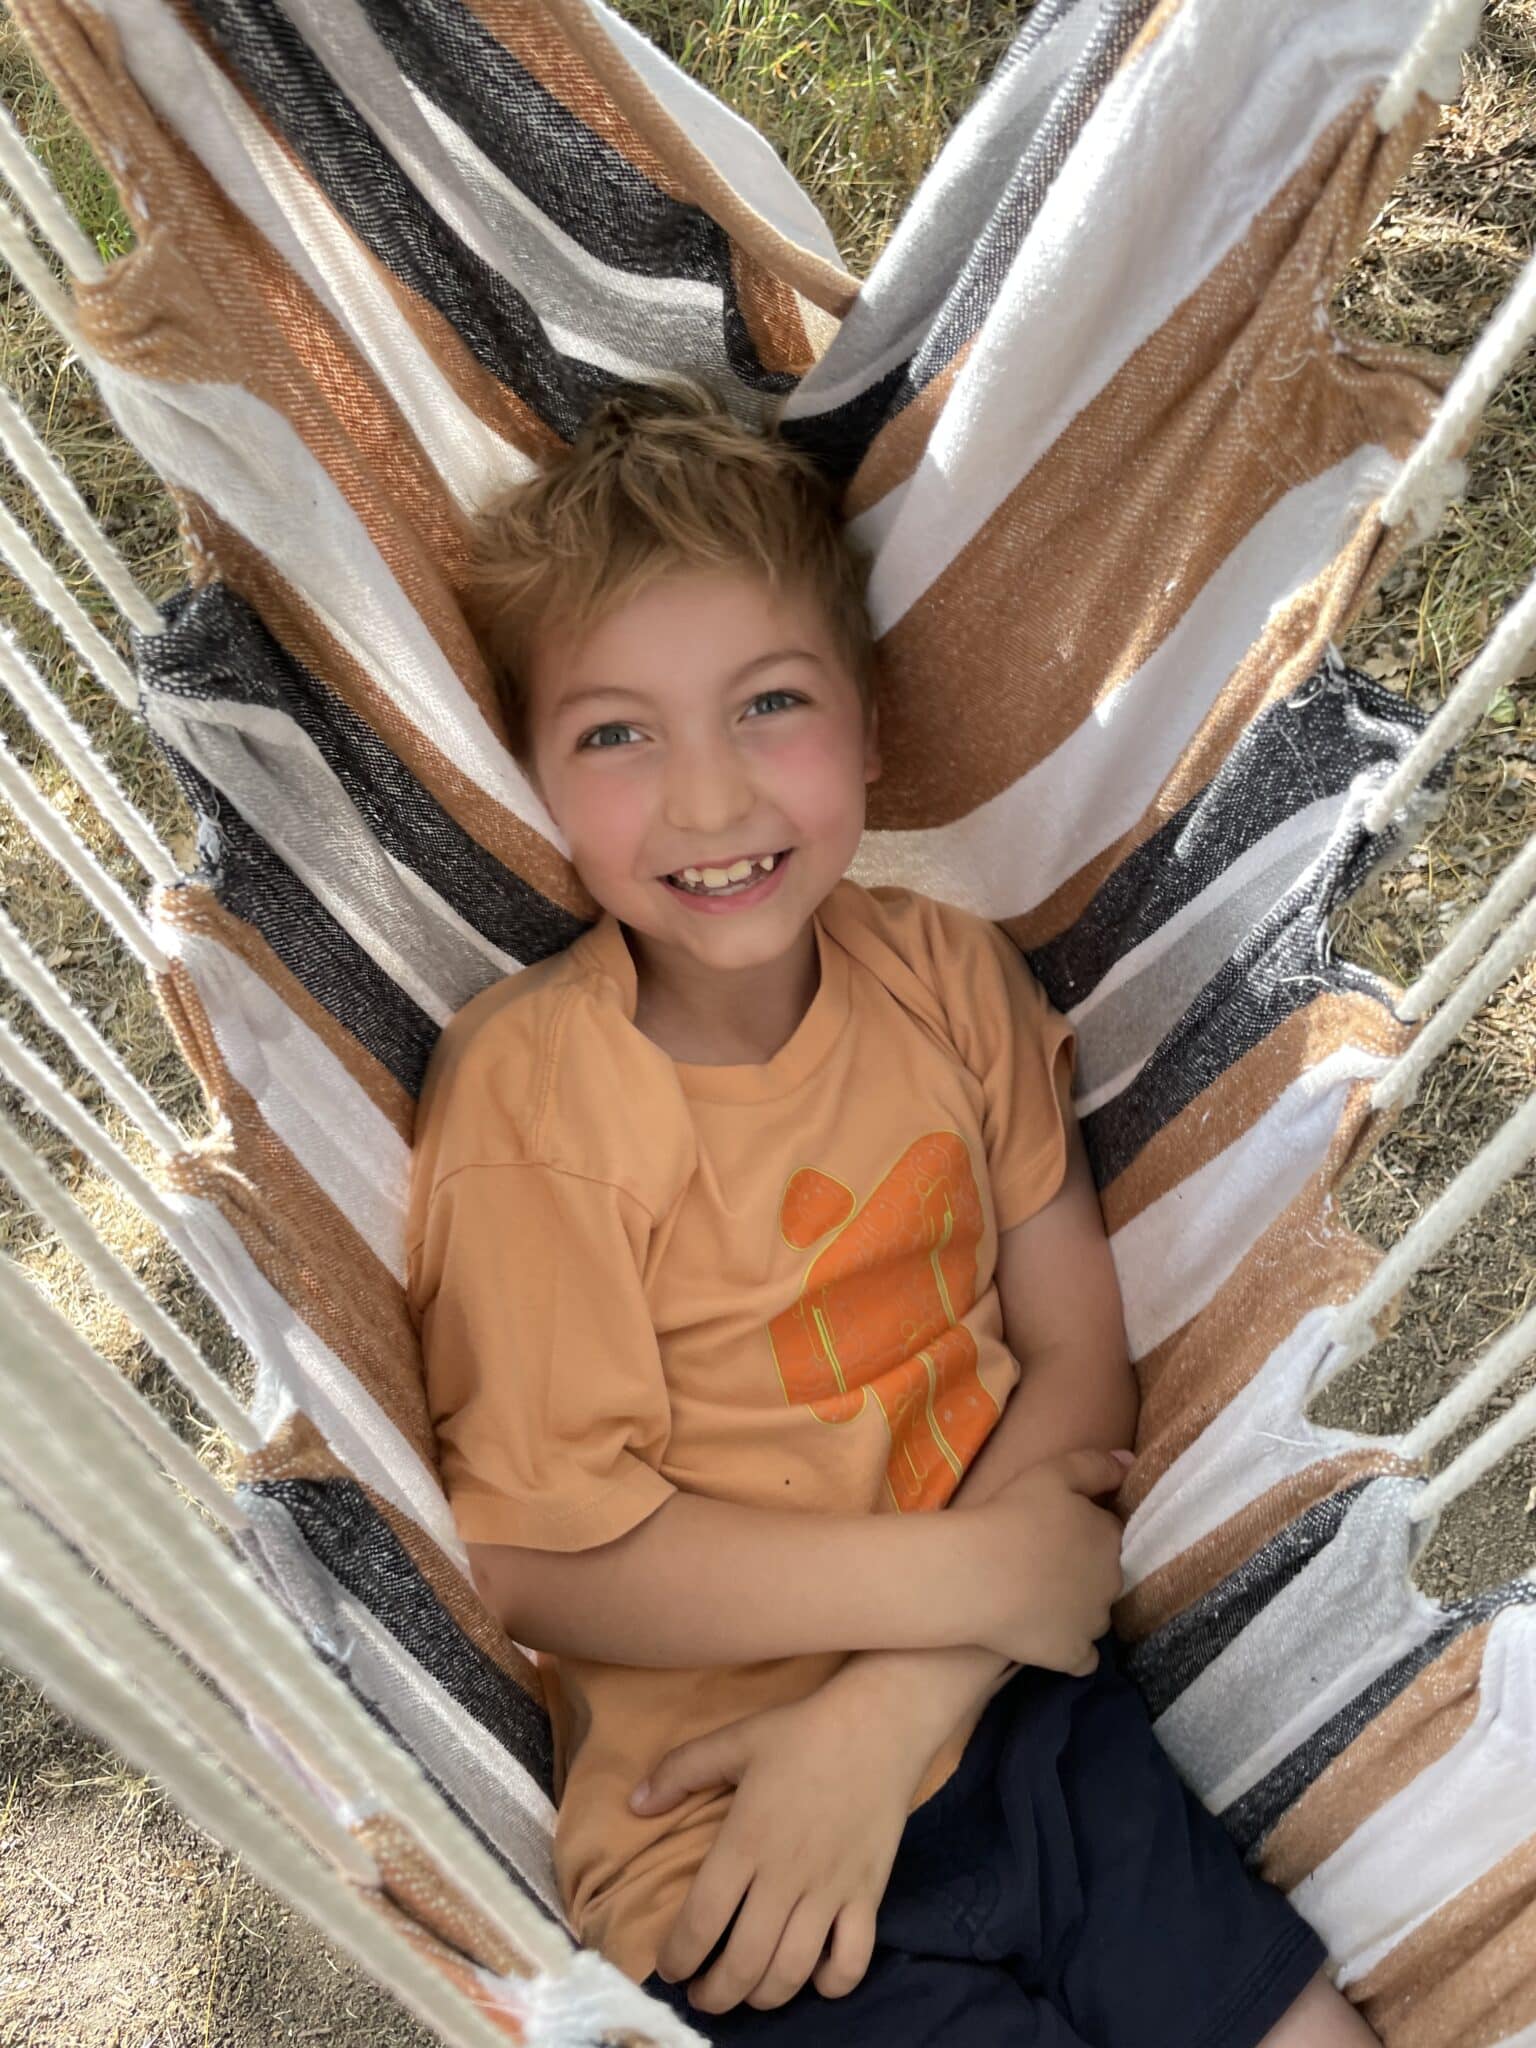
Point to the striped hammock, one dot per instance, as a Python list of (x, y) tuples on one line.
[(1125, 488)]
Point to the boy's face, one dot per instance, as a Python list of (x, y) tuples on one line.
[(675, 757)]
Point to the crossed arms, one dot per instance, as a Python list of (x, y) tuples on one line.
[(703, 1582)]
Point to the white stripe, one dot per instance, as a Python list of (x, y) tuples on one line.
[(195, 100), (309, 1100), (1020, 846), (743, 157), (952, 208), (258, 475), (1301, 834), (271, 771), (330, 1393), (1074, 308), (1172, 1258), (1461, 1814)]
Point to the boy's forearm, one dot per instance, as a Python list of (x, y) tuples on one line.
[(1060, 1404), (704, 1582)]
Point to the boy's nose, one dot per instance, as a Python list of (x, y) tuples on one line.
[(707, 794)]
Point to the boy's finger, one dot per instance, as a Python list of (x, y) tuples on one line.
[(754, 1939), (799, 1951), (705, 1914), (1092, 1471), (691, 1767), (853, 1944)]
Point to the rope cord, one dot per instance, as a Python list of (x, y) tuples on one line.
[(48, 717), (31, 1316), (1509, 892), (1352, 1334), (122, 1288), (55, 490), (1497, 1363), (42, 989), (1402, 1078), (54, 596), (1432, 61), (186, 1580), (100, 1694), (46, 1094), (78, 862), (1503, 1435), (1497, 665), (34, 186), (1431, 476), (56, 1584)]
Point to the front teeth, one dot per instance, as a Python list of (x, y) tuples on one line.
[(720, 878)]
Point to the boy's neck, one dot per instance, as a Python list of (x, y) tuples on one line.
[(709, 1017)]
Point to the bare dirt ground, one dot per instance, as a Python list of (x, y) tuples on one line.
[(120, 1925)]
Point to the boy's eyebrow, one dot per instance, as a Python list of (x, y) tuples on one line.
[(747, 668)]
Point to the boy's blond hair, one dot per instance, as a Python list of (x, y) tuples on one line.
[(659, 478)]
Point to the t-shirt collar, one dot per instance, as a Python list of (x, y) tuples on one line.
[(607, 951)]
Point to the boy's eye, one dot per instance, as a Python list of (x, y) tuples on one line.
[(597, 732), (587, 738)]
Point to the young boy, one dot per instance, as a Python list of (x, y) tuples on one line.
[(743, 1231)]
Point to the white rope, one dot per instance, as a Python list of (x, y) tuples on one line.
[(41, 988), (34, 186), (78, 862), (101, 1695), (1431, 476), (54, 596), (55, 490), (39, 704), (42, 1573), (1497, 1364), (47, 1094), (1481, 1455), (178, 1573), (1497, 665), (1402, 1078), (1500, 1160), (1514, 886), (123, 1289), (46, 294), (1432, 62), (34, 1325)]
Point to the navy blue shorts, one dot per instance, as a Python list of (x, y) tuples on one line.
[(1063, 1889)]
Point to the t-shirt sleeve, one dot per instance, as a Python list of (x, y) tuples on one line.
[(543, 1374), (1023, 1052)]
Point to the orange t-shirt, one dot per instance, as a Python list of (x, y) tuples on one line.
[(771, 1284)]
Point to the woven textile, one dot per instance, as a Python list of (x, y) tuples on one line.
[(1120, 480)]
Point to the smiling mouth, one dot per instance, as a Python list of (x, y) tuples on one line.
[(762, 866)]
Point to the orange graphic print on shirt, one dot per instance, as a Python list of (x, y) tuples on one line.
[(880, 1312)]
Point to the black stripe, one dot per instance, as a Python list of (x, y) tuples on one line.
[(1250, 1818), (341, 1527), (1164, 1663), (253, 884), (599, 196), (839, 438), (214, 647), (1280, 965)]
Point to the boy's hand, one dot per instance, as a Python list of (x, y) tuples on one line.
[(1044, 1562), (808, 1844)]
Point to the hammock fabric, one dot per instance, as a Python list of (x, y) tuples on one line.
[(1121, 479)]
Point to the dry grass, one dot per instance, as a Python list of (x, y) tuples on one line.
[(112, 1910)]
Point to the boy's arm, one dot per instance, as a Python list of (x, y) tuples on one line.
[(703, 1581), (1063, 1319)]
